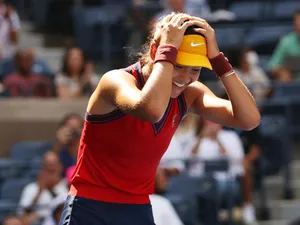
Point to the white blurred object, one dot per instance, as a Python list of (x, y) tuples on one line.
[(222, 14), (252, 58), (249, 215)]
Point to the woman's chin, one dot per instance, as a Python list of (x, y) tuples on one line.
[(176, 91), (175, 94)]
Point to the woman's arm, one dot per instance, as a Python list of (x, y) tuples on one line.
[(241, 110), (117, 89), (238, 112)]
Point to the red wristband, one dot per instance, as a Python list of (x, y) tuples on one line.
[(166, 53), (220, 65)]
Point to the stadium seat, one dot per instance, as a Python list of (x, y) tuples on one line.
[(185, 192), (230, 37), (33, 169), (40, 11), (248, 10), (27, 150), (6, 208), (99, 31), (11, 189), (219, 165), (186, 208), (286, 89), (265, 34), (9, 168), (263, 61), (285, 9), (124, 3)]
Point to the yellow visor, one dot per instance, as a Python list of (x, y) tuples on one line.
[(193, 52)]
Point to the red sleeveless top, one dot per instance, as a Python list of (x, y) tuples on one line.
[(119, 154)]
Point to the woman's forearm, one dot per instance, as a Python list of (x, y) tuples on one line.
[(243, 104)]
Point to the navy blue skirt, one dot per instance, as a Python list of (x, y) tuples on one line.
[(82, 211)]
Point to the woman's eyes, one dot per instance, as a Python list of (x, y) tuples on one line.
[(193, 70)]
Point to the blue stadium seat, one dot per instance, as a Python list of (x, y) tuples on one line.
[(248, 10), (263, 61), (185, 208), (285, 9), (33, 169), (99, 31), (125, 3), (40, 11), (27, 150), (11, 189), (266, 34), (9, 168), (230, 37), (184, 192), (287, 89), (273, 126), (6, 208), (219, 165)]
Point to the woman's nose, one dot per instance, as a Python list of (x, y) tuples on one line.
[(184, 75)]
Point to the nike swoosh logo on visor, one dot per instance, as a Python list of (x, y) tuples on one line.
[(196, 44)]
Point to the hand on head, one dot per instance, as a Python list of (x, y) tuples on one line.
[(173, 27), (209, 33)]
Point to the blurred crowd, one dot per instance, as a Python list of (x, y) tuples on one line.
[(25, 74), (245, 157), (243, 160)]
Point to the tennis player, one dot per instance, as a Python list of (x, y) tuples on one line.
[(133, 114)]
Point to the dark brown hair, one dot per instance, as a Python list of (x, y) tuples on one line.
[(154, 37)]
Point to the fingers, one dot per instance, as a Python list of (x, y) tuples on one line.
[(187, 24), (179, 20), (198, 19), (167, 19), (201, 24), (201, 31)]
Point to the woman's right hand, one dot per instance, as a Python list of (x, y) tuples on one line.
[(173, 28)]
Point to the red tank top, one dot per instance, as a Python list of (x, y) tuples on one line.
[(119, 154)]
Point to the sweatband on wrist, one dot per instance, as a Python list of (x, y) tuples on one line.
[(166, 53), (220, 65)]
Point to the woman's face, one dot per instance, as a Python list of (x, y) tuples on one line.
[(182, 77), (75, 60)]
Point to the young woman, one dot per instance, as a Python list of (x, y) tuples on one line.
[(76, 78), (133, 114)]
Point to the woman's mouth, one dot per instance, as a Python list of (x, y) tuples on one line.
[(180, 85)]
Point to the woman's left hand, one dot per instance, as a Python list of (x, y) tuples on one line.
[(209, 34)]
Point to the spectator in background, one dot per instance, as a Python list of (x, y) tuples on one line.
[(250, 73), (252, 145), (39, 66), (284, 64), (199, 8), (10, 26), (77, 77), (213, 143), (163, 210), (56, 207), (173, 161), (170, 6), (263, 157), (67, 140), (24, 82), (37, 196)]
